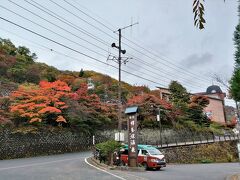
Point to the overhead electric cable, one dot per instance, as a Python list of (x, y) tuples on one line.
[(67, 47)]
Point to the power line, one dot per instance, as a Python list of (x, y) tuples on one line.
[(50, 29), (55, 51), (87, 41), (115, 38), (55, 32), (185, 70), (88, 15), (105, 21), (96, 37), (64, 20), (58, 34), (50, 49), (74, 50)]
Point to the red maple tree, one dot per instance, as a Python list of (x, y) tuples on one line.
[(37, 103)]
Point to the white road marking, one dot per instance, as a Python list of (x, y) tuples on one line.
[(119, 177), (37, 164)]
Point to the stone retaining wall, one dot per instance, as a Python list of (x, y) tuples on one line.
[(204, 153), (18, 145)]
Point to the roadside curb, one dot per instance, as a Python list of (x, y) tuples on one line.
[(97, 163), (233, 177)]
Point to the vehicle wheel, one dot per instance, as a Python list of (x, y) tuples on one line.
[(158, 168), (145, 165)]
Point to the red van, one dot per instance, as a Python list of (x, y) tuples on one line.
[(148, 156)]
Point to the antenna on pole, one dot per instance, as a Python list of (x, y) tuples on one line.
[(120, 60)]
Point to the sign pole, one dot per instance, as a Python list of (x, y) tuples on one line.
[(132, 136)]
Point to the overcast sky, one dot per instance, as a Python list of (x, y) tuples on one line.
[(166, 46)]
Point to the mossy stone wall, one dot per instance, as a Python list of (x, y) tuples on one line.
[(204, 153)]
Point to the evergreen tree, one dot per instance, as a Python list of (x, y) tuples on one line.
[(81, 73), (235, 80), (179, 95)]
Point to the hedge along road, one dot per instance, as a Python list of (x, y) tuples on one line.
[(72, 166)]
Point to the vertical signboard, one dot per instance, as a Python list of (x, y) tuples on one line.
[(132, 140), (238, 147)]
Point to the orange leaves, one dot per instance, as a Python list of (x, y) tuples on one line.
[(198, 100), (35, 102), (35, 120), (81, 93), (49, 109), (30, 115), (57, 85), (61, 119)]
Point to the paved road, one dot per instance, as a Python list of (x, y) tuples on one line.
[(192, 172), (73, 167), (58, 167)]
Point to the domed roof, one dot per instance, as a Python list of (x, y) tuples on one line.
[(213, 89)]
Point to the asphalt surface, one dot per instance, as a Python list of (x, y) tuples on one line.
[(73, 167)]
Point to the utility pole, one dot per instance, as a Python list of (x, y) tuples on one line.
[(120, 60), (120, 51)]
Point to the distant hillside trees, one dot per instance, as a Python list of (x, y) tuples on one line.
[(18, 64)]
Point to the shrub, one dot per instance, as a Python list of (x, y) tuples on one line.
[(107, 149)]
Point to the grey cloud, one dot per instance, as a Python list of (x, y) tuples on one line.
[(194, 60)]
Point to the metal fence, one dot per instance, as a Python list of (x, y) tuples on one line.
[(185, 137)]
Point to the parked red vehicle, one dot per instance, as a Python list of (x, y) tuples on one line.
[(148, 156)]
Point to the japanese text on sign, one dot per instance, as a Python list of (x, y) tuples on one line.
[(132, 134)]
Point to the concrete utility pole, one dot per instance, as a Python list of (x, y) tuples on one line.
[(120, 60)]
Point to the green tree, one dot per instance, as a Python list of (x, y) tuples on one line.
[(8, 47), (179, 95), (195, 112), (81, 73), (235, 80), (180, 99)]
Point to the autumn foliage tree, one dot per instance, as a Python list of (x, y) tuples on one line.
[(148, 105), (195, 112), (40, 104), (87, 113)]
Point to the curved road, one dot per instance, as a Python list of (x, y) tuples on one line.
[(72, 166)]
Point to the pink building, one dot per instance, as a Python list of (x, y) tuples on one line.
[(215, 109)]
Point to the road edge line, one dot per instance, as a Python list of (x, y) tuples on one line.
[(119, 177)]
